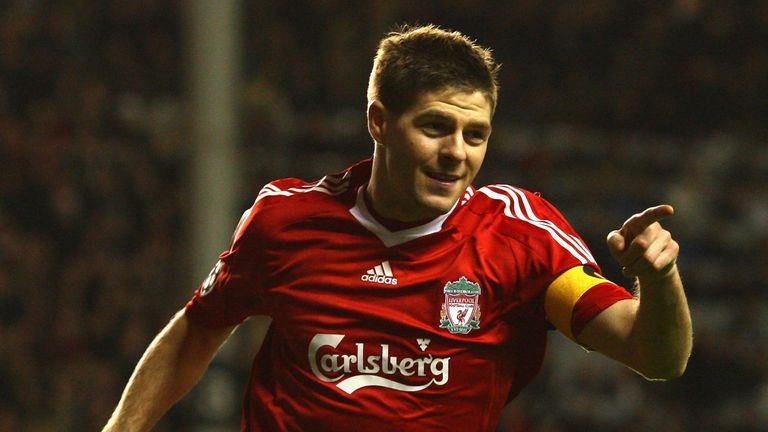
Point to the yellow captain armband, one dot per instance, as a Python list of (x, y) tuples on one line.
[(565, 291)]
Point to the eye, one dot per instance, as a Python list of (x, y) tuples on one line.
[(475, 136), (435, 128)]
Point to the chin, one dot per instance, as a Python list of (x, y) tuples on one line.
[(437, 206)]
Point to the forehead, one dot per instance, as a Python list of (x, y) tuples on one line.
[(463, 105)]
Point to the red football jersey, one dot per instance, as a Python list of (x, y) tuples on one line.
[(430, 328)]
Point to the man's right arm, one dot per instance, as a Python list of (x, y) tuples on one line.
[(169, 368)]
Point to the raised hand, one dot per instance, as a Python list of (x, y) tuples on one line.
[(643, 247)]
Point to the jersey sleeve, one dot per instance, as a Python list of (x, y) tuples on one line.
[(540, 232), (234, 289), (562, 267), (579, 292), (578, 295)]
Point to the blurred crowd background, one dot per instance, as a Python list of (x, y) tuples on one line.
[(606, 107)]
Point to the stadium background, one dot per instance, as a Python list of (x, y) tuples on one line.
[(606, 107)]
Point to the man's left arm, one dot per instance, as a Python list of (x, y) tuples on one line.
[(653, 335)]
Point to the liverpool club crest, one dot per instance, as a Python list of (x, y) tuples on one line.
[(461, 311)]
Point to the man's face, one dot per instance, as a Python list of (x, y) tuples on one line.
[(429, 154)]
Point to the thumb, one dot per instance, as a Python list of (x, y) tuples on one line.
[(616, 243)]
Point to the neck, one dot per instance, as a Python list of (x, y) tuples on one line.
[(379, 199), (392, 224)]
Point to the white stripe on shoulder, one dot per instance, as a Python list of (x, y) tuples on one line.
[(575, 241), (467, 195), (269, 193), (269, 187), (513, 210), (336, 179), (322, 185), (325, 186), (241, 225)]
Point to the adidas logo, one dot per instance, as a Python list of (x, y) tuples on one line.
[(381, 274)]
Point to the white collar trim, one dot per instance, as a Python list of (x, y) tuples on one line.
[(393, 238)]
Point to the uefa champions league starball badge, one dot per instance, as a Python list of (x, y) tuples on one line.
[(210, 281), (461, 310)]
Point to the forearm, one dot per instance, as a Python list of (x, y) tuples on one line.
[(662, 332), (171, 365), (652, 335)]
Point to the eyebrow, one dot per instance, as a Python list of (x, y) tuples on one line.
[(442, 115)]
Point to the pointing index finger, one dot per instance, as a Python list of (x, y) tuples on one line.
[(639, 222)]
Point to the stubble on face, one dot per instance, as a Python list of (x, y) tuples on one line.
[(429, 155)]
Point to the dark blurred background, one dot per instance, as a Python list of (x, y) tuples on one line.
[(606, 107)]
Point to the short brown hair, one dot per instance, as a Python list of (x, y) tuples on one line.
[(414, 60)]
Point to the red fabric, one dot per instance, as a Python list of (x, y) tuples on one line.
[(594, 301), (357, 340)]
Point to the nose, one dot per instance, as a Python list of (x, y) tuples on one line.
[(453, 147)]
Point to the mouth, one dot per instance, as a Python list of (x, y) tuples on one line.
[(445, 178)]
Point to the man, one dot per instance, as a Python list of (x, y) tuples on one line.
[(398, 296)]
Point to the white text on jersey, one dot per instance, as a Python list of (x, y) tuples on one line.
[(335, 367), (382, 274)]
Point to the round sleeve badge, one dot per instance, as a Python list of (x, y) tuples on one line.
[(210, 281)]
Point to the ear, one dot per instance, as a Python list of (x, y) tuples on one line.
[(377, 121)]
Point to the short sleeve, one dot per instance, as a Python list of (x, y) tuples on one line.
[(234, 289), (560, 266), (595, 301), (578, 295)]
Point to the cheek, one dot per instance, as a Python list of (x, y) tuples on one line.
[(476, 155), (402, 162), (411, 151)]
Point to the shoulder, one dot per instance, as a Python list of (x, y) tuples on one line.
[(283, 202), (288, 190), (338, 186), (514, 203), (528, 220)]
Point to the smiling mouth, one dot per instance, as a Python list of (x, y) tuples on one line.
[(443, 178)]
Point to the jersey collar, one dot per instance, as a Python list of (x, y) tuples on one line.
[(393, 238)]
